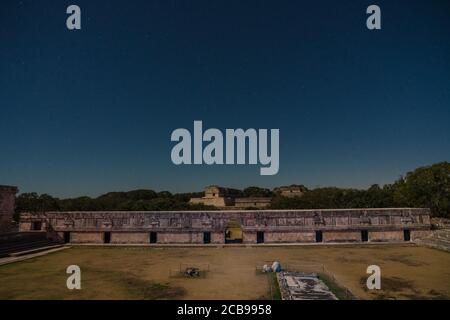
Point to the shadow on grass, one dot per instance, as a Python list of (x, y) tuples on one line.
[(340, 292), (149, 290), (273, 292), (393, 288)]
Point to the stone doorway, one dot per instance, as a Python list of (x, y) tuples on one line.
[(364, 235), (319, 236), (66, 237), (406, 235), (233, 231), (107, 237), (153, 237), (260, 237), (206, 237), (36, 225)]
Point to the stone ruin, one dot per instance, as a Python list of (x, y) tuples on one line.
[(258, 226), (227, 198), (7, 207)]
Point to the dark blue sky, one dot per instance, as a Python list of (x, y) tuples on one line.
[(91, 111)]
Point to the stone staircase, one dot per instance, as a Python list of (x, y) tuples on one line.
[(439, 239), (20, 243)]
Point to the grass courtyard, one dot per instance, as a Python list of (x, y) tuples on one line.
[(408, 272)]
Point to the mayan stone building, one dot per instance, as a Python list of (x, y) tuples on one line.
[(228, 198), (215, 196), (7, 207), (290, 191), (258, 226)]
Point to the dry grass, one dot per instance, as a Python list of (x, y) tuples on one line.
[(408, 272)]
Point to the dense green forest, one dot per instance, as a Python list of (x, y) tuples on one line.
[(424, 187)]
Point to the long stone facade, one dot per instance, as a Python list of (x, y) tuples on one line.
[(258, 226)]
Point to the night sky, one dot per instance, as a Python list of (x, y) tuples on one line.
[(91, 111)]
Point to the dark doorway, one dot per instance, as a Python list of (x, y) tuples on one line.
[(66, 237), (153, 237), (364, 235), (206, 237), (319, 236), (107, 237), (36, 226), (233, 231), (406, 235), (260, 237)]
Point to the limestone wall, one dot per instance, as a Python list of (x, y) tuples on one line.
[(342, 236), (167, 237), (252, 202), (85, 237), (7, 207), (217, 237), (25, 226), (130, 237), (375, 236), (279, 226), (213, 201), (420, 234), (249, 237), (288, 237)]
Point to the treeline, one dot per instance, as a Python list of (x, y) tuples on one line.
[(338, 198), (136, 200), (427, 187)]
